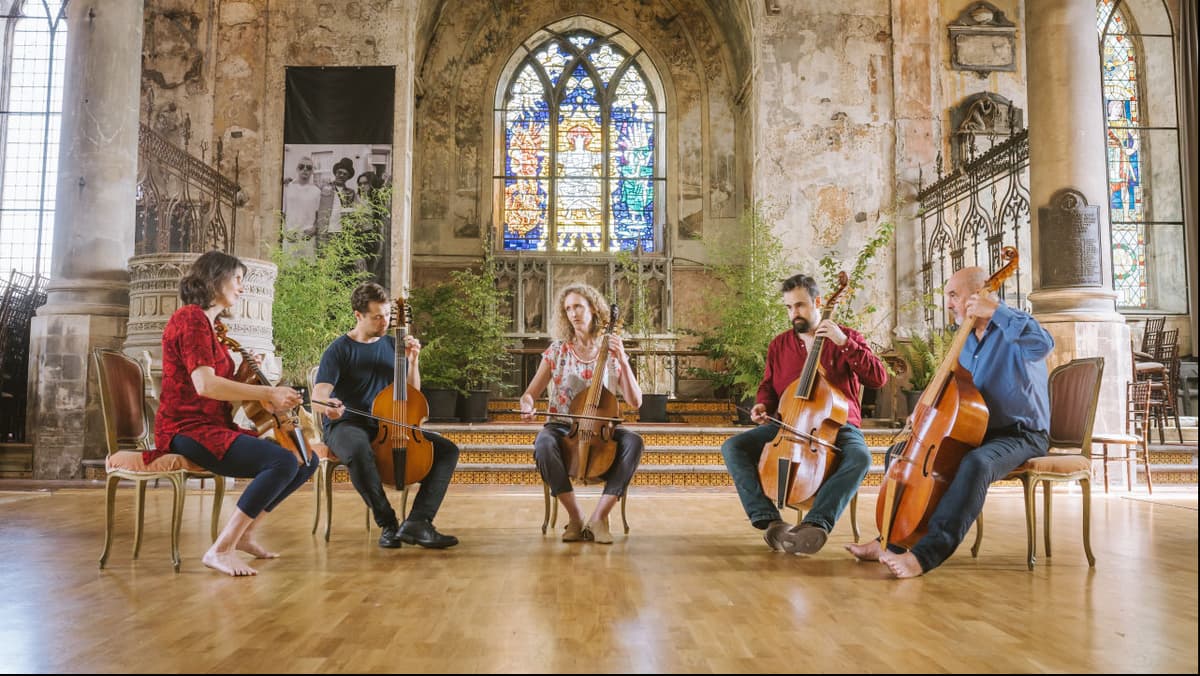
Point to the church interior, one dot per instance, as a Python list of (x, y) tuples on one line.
[(479, 159)]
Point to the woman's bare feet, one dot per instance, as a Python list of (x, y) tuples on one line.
[(866, 551), (902, 565), (228, 563), (254, 549)]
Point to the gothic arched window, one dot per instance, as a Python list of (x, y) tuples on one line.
[(581, 167), (1137, 79), (32, 50)]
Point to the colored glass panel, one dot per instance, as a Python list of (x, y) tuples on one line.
[(1126, 190), (570, 183)]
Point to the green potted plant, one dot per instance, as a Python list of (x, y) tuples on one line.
[(922, 350), (654, 372), (312, 295), (745, 308), (461, 317)]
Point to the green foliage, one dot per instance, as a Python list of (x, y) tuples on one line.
[(462, 325), (924, 352), (846, 313), (312, 295), (747, 311)]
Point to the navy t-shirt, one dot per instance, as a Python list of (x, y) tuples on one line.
[(358, 373)]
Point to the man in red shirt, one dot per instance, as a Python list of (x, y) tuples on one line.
[(848, 364)]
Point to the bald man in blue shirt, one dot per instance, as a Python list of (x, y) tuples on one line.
[(1006, 355)]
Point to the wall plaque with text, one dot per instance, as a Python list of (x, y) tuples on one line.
[(1069, 241)]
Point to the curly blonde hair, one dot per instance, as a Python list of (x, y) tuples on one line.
[(562, 329)]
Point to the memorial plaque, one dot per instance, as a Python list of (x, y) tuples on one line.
[(1069, 241)]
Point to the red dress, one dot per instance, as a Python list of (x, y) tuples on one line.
[(188, 343)]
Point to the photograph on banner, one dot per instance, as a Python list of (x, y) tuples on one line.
[(337, 161)]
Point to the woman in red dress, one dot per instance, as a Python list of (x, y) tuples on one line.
[(195, 418)]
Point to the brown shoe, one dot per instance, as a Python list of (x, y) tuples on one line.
[(807, 538), (599, 532), (574, 532), (774, 534)]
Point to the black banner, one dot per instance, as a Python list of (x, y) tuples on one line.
[(339, 105)]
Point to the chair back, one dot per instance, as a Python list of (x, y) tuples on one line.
[(1151, 334), (1137, 408), (1074, 395), (127, 423)]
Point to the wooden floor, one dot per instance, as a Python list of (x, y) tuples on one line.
[(692, 589)]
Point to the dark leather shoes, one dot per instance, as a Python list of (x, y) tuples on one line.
[(390, 538), (774, 534), (423, 533), (807, 538)]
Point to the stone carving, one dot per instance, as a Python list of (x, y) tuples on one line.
[(979, 122), (1069, 240), (983, 40)]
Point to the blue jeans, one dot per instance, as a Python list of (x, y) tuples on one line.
[(1001, 452), (742, 452), (273, 469), (551, 462), (351, 443)]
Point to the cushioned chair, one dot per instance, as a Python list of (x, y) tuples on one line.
[(313, 424), (128, 432), (1074, 394)]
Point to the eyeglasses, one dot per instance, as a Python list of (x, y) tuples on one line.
[(304, 166)]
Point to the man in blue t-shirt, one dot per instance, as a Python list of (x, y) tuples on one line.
[(1006, 356), (355, 368)]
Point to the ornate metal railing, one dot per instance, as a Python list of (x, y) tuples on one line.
[(19, 297), (969, 215), (183, 204)]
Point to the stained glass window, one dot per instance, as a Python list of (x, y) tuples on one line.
[(1126, 187), (581, 128), (30, 110)]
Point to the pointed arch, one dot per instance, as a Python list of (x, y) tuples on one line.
[(580, 123)]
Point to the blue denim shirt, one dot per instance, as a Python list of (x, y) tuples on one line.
[(1008, 366)]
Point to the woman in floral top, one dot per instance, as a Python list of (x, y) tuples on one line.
[(195, 418), (566, 368)]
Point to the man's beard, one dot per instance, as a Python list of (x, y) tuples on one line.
[(801, 325)]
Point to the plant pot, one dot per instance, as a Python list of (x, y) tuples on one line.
[(473, 406), (911, 397), (442, 404), (653, 408)]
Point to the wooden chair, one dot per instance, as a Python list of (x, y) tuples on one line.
[(1137, 433), (128, 432), (853, 515), (1074, 395), (329, 462)]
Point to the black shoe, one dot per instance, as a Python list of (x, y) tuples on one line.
[(423, 533), (807, 538), (774, 535), (390, 538)]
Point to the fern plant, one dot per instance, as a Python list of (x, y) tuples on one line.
[(924, 352)]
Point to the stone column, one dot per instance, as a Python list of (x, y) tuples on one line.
[(1071, 239), (403, 136), (88, 295)]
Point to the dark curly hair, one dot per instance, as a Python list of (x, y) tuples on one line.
[(204, 280), (801, 281), (366, 293)]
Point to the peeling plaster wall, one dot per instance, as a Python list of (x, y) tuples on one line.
[(456, 135), (823, 105)]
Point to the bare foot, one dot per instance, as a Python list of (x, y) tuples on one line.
[(256, 550), (228, 563), (902, 565), (866, 551)]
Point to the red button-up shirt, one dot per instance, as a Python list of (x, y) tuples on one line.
[(188, 343), (847, 368)]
